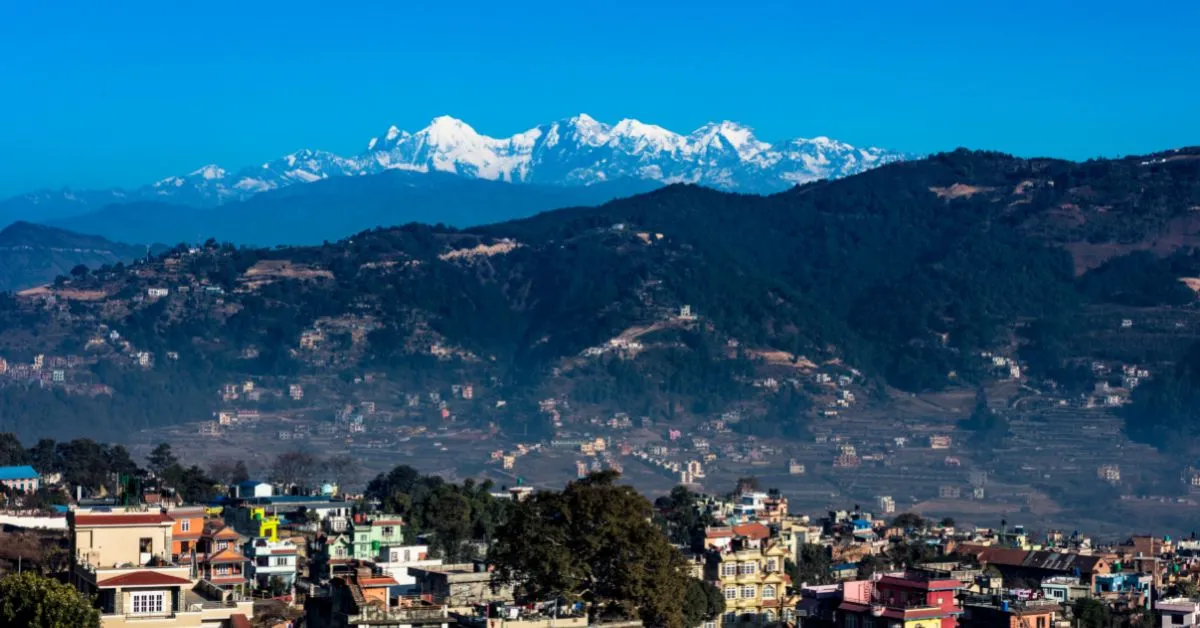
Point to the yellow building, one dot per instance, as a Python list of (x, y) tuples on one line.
[(754, 585)]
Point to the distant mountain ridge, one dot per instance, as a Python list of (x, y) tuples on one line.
[(35, 254), (575, 151)]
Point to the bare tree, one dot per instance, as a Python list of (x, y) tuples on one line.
[(344, 470), (295, 468)]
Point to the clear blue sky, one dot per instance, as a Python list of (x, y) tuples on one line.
[(123, 93)]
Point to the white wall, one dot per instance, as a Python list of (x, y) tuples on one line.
[(42, 523)]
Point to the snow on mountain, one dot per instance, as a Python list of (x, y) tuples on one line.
[(574, 151)]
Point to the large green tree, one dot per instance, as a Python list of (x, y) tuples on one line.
[(28, 600), (593, 542), (701, 602)]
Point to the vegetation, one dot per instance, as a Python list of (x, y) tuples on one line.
[(906, 272), (30, 600), (594, 542), (449, 515)]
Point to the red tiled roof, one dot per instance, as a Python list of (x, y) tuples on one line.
[(144, 579), (226, 555), (718, 533), (387, 522), (239, 621), (756, 531), (283, 551), (122, 519), (226, 533)]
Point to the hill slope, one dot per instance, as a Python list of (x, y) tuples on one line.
[(31, 255), (908, 273)]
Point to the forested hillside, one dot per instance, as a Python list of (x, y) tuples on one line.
[(906, 272)]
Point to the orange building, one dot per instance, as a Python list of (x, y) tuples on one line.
[(186, 533)]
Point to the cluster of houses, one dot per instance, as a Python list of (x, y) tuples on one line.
[(977, 577)]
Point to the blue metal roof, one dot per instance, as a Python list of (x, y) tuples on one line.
[(24, 472)]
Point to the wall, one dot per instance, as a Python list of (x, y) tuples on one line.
[(41, 523), (115, 546)]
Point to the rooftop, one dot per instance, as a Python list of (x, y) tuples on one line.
[(144, 579), (118, 519), (24, 472)]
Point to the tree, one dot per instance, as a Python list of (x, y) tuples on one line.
[(701, 602), (1090, 613), (947, 522), (344, 470), (813, 566), (161, 458), (593, 542), (79, 271), (29, 600), (11, 452), (909, 521), (294, 468)]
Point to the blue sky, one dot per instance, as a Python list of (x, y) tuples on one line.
[(123, 93)]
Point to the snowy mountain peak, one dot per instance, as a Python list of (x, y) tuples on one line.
[(579, 150), (209, 172)]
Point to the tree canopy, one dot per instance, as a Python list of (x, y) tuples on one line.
[(29, 600)]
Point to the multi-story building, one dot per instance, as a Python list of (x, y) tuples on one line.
[(272, 563), (911, 600), (186, 532), (753, 582), (999, 612), (123, 559)]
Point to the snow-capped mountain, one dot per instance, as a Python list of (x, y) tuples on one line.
[(575, 151)]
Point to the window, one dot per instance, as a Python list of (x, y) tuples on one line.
[(1177, 620), (407, 555), (1041, 622), (768, 617), (263, 561), (185, 525), (772, 564), (145, 545), (749, 568), (710, 624), (388, 531), (729, 618), (729, 569), (769, 592), (222, 545), (749, 591), (148, 603), (731, 593)]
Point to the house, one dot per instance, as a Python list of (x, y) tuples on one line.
[(363, 598), (186, 532), (272, 563), (460, 585), (1177, 612), (753, 583), (1001, 612), (398, 561), (913, 600), (1064, 589), (1030, 567), (123, 561), (20, 478), (157, 293), (225, 569), (253, 488)]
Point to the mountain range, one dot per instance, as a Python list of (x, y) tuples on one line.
[(578, 151), (911, 273)]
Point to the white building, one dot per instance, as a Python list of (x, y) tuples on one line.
[(399, 559)]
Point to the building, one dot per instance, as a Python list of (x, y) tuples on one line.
[(460, 585), (910, 600), (1177, 612), (363, 598), (123, 559), (272, 563), (751, 578), (887, 505), (254, 488), (157, 293), (1064, 589), (1031, 567), (296, 392), (1001, 612), (186, 532), (21, 478), (398, 562)]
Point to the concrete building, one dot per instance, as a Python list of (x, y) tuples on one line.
[(22, 478), (460, 585), (753, 582), (123, 559)]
